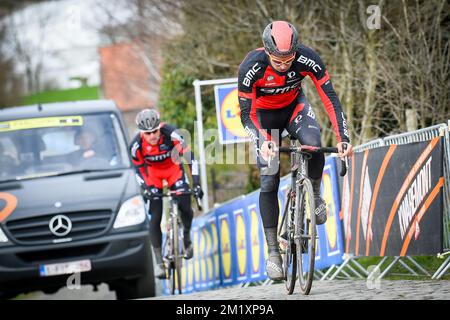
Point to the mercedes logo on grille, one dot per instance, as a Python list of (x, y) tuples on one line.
[(60, 225)]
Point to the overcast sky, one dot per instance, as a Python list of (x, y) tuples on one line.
[(66, 33)]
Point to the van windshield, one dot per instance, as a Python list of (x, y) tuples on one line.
[(36, 147)]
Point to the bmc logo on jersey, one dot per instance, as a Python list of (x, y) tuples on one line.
[(250, 74), (281, 89), (158, 158), (309, 62)]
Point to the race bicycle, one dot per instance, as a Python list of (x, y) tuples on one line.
[(173, 249), (297, 233)]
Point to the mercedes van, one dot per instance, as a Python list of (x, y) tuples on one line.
[(70, 206)]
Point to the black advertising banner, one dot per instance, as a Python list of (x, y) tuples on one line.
[(392, 200)]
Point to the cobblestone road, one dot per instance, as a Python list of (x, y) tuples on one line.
[(322, 290), (84, 293), (332, 290)]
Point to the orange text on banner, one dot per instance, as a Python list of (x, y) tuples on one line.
[(420, 215), (403, 189)]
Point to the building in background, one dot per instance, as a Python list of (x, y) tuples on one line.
[(130, 75)]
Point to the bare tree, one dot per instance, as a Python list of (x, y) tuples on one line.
[(27, 52), (416, 66), (384, 74), (150, 25), (10, 83)]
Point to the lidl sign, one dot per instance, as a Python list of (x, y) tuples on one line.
[(228, 114)]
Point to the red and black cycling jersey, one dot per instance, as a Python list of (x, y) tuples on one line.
[(162, 161), (262, 87)]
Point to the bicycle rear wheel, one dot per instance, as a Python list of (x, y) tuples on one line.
[(289, 251), (305, 234), (177, 254)]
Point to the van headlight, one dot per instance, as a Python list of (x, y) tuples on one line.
[(132, 212), (3, 237)]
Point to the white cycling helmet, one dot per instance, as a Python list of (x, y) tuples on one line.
[(148, 120)]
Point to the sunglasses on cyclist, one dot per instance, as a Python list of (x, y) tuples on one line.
[(149, 133), (277, 62)]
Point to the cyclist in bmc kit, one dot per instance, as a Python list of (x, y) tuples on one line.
[(153, 151), (271, 100)]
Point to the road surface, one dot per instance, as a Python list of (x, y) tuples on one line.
[(322, 290)]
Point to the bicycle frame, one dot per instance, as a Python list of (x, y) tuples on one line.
[(173, 215), (174, 256), (297, 161)]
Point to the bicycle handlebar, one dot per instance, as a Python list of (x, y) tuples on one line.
[(311, 149), (308, 149), (171, 193)]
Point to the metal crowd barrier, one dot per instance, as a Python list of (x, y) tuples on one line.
[(369, 145), (408, 137)]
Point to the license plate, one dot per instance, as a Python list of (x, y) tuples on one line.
[(64, 268)]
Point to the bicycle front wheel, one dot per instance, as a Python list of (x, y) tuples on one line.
[(169, 244), (178, 254), (289, 253), (305, 234)]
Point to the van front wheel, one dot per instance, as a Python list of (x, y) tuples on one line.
[(142, 287)]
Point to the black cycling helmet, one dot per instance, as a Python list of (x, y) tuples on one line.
[(148, 120), (280, 38)]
